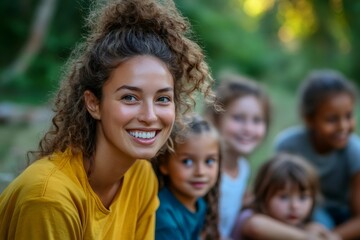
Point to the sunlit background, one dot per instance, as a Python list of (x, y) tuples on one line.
[(274, 42)]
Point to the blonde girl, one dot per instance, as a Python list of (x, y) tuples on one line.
[(242, 125)]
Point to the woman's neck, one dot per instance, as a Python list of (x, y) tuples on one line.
[(107, 170)]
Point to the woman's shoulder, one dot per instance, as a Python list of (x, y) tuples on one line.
[(44, 180), (143, 172), (141, 185)]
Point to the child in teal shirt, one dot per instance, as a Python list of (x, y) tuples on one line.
[(188, 179)]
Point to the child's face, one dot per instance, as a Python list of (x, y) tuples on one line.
[(333, 122), (243, 126), (194, 168), (290, 205), (137, 111)]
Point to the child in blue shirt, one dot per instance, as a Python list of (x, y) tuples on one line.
[(188, 178)]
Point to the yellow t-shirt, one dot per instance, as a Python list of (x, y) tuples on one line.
[(52, 199)]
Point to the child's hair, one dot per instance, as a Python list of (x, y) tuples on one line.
[(318, 86), (276, 173), (193, 124), (119, 30), (233, 87)]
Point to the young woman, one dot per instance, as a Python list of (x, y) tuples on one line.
[(117, 104)]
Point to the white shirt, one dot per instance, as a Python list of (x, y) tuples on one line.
[(231, 195)]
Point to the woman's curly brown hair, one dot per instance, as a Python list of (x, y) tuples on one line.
[(194, 124), (119, 30)]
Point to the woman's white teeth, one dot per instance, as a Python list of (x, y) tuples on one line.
[(139, 134)]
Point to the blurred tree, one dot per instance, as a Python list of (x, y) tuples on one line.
[(228, 36), (277, 41), (315, 34), (64, 31), (39, 28)]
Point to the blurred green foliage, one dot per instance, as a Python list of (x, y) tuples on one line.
[(277, 41), (43, 74), (269, 40)]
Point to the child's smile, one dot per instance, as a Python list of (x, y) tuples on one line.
[(193, 170), (243, 125)]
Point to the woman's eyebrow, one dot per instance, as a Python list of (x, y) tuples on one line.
[(167, 89)]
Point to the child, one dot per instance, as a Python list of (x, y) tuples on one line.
[(242, 125), (285, 189), (327, 105), (117, 104), (188, 178)]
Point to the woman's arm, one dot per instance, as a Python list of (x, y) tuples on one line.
[(146, 229), (351, 228)]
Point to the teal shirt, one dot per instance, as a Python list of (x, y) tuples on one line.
[(175, 221)]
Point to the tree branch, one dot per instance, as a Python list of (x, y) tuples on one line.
[(44, 14)]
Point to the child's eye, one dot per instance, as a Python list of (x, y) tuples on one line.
[(332, 119), (210, 161), (188, 162), (284, 197), (129, 98), (239, 118), (258, 120), (349, 115), (304, 196)]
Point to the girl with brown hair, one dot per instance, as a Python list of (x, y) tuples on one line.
[(285, 192), (188, 176)]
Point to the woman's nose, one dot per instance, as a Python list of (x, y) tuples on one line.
[(147, 113)]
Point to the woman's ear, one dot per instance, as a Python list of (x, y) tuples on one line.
[(92, 104)]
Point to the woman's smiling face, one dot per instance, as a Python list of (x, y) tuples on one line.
[(137, 110)]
